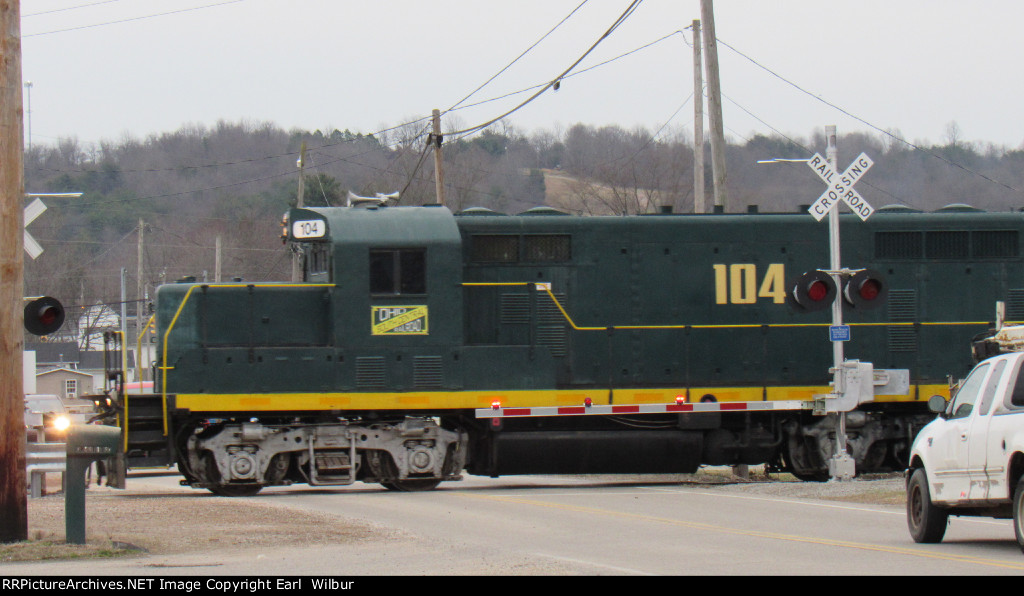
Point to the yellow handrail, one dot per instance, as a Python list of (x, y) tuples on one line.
[(547, 288), (181, 307)]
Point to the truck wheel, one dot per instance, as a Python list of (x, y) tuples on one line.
[(1018, 513), (926, 522)]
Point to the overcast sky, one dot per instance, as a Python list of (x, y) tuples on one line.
[(911, 65)]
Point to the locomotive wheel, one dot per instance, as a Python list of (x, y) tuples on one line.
[(226, 490), (808, 473), (409, 485), (236, 490), (811, 477), (926, 522)]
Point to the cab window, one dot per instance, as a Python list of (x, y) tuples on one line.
[(317, 262), (398, 271)]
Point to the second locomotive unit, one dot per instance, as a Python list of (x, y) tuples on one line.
[(422, 344)]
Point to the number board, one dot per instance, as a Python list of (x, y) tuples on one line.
[(309, 228)]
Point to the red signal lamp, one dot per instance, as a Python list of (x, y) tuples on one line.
[(43, 315), (864, 289), (812, 291)]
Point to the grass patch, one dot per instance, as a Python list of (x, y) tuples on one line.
[(46, 547)]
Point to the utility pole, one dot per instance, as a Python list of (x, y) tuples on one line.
[(698, 122), (124, 325), (13, 500), (436, 139), (140, 305), (299, 202), (707, 15)]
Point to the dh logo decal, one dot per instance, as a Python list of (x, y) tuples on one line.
[(399, 320)]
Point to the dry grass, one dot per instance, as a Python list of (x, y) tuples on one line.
[(581, 197), (125, 523)]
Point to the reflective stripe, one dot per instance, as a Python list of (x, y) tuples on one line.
[(750, 406)]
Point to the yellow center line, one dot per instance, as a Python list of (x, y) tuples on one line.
[(754, 533)]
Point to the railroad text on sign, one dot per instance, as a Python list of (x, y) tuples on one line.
[(840, 187)]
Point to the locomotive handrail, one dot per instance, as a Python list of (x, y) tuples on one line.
[(181, 307), (547, 288), (138, 367)]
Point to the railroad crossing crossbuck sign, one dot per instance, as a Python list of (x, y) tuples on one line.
[(34, 210), (840, 187)]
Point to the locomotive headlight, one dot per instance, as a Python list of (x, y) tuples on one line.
[(61, 423)]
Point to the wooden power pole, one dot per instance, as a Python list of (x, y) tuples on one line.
[(300, 201), (13, 500), (707, 15), (435, 139), (698, 122)]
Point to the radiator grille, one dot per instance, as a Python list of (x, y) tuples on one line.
[(902, 305), (427, 371), (370, 371)]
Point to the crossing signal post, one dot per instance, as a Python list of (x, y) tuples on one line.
[(862, 291)]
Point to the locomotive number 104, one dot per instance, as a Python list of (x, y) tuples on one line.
[(740, 283)]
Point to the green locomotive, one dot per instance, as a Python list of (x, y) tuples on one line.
[(421, 344)]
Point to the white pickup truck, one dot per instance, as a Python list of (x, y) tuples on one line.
[(970, 460)]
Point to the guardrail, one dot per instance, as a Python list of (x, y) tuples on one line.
[(41, 458)]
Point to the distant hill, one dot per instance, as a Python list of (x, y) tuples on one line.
[(234, 181)]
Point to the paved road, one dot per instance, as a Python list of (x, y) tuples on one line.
[(551, 525), (672, 529)]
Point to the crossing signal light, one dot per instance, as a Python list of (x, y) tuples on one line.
[(864, 289), (43, 315), (812, 291)]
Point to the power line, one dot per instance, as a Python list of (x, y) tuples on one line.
[(355, 139), (150, 16), (865, 122), (35, 14), (526, 51), (554, 83), (569, 76)]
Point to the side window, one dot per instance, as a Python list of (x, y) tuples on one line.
[(1017, 396), (963, 403), (398, 271), (990, 387)]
